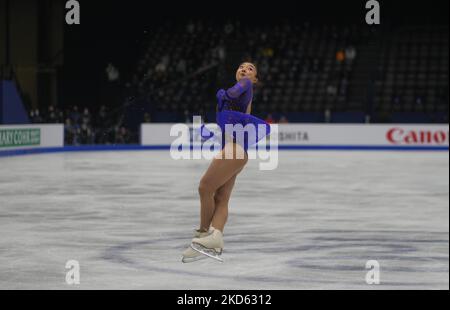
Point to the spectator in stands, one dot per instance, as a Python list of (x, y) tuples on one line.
[(327, 115), (52, 116), (269, 119), (350, 54), (419, 101), (283, 120), (217, 53), (102, 126), (221, 52), (69, 132), (267, 52), (85, 134), (122, 135), (343, 87), (102, 118), (112, 73), (229, 28), (35, 116), (75, 115), (160, 68), (332, 90), (147, 118), (60, 116), (187, 116), (340, 56), (86, 118)]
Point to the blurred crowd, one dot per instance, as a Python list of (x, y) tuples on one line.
[(303, 68), (82, 126)]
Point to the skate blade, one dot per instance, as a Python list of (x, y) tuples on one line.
[(192, 259), (208, 252)]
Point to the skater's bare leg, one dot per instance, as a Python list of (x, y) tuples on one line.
[(221, 199), (219, 172)]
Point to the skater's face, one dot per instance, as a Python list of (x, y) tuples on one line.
[(247, 70)]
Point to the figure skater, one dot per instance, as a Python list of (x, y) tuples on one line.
[(216, 185)]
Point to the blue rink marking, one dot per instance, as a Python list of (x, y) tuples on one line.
[(137, 147)]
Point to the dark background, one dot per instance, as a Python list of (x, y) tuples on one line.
[(114, 30), (62, 66)]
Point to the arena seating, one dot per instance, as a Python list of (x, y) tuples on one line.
[(412, 76), (300, 70), (308, 73)]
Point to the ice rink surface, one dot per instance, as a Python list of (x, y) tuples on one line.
[(312, 223)]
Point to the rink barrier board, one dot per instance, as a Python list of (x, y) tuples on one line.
[(137, 147), (326, 135), (340, 137), (31, 136)]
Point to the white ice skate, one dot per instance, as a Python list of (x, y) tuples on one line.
[(211, 245), (190, 255)]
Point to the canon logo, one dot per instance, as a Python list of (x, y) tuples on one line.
[(401, 136)]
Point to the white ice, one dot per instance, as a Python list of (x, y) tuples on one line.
[(312, 223)]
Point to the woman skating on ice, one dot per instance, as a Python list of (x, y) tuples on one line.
[(216, 185)]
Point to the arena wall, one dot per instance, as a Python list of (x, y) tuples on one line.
[(331, 136)]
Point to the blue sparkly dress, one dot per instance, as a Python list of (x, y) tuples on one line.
[(231, 109)]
